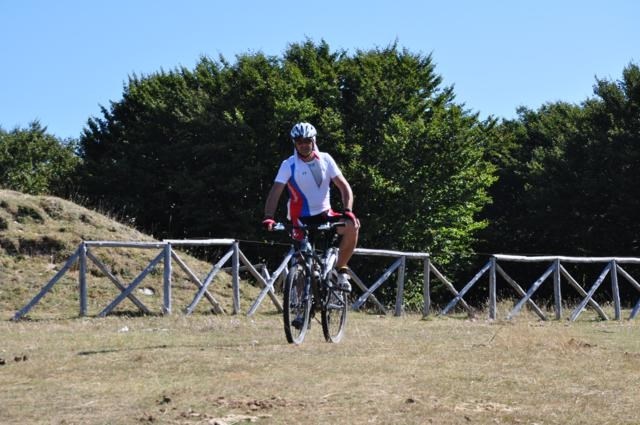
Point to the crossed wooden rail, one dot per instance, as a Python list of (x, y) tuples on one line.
[(268, 280)]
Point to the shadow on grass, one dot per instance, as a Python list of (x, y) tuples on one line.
[(120, 350), (124, 314)]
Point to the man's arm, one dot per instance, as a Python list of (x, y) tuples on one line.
[(345, 191), (272, 199)]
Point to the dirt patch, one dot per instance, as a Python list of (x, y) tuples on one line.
[(254, 404), (575, 343), (16, 359), (26, 214), (9, 246), (44, 245), (253, 410), (86, 219), (483, 406)]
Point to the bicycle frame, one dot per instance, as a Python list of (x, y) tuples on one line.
[(308, 254)]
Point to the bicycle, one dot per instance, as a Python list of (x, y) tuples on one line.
[(311, 284)]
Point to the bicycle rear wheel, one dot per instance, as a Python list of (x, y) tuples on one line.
[(334, 312), (297, 304)]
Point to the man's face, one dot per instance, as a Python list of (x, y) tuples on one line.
[(304, 146)]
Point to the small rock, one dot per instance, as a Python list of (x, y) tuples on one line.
[(147, 291)]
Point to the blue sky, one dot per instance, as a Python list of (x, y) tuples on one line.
[(62, 59)]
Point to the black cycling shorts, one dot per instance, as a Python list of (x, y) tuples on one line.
[(328, 216)]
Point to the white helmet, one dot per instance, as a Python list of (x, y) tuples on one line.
[(304, 130)]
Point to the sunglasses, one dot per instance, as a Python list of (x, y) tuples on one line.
[(300, 140)]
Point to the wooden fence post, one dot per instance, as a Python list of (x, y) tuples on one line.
[(426, 287), (557, 294), (400, 286), (167, 279), (82, 279), (235, 277), (615, 290), (492, 289)]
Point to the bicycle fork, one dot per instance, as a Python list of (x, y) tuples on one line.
[(329, 263)]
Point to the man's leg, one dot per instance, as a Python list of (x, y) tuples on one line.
[(348, 243)]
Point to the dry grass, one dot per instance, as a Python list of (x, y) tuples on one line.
[(200, 369)]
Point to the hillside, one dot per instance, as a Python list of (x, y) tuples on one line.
[(39, 233)]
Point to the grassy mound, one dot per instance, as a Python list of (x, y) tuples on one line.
[(39, 233)]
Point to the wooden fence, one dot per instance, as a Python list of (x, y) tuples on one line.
[(268, 281), (555, 270), (166, 255)]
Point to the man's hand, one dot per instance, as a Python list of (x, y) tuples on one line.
[(350, 215), (268, 223)]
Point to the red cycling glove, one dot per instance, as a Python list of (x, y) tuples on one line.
[(268, 223)]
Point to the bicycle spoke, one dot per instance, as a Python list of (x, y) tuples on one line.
[(334, 315), (297, 305)]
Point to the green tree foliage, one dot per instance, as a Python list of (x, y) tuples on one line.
[(35, 162), (569, 181), (193, 153), (418, 156)]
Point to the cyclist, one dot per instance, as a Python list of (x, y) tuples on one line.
[(307, 174)]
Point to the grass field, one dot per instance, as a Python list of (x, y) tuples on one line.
[(207, 369)]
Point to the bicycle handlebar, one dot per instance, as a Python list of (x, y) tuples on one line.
[(278, 227)]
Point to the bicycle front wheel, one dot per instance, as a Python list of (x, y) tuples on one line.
[(297, 304), (334, 312)]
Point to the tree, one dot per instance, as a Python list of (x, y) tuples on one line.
[(418, 156), (35, 162), (568, 179), (193, 153)]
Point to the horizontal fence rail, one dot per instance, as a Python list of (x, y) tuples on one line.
[(555, 271)]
